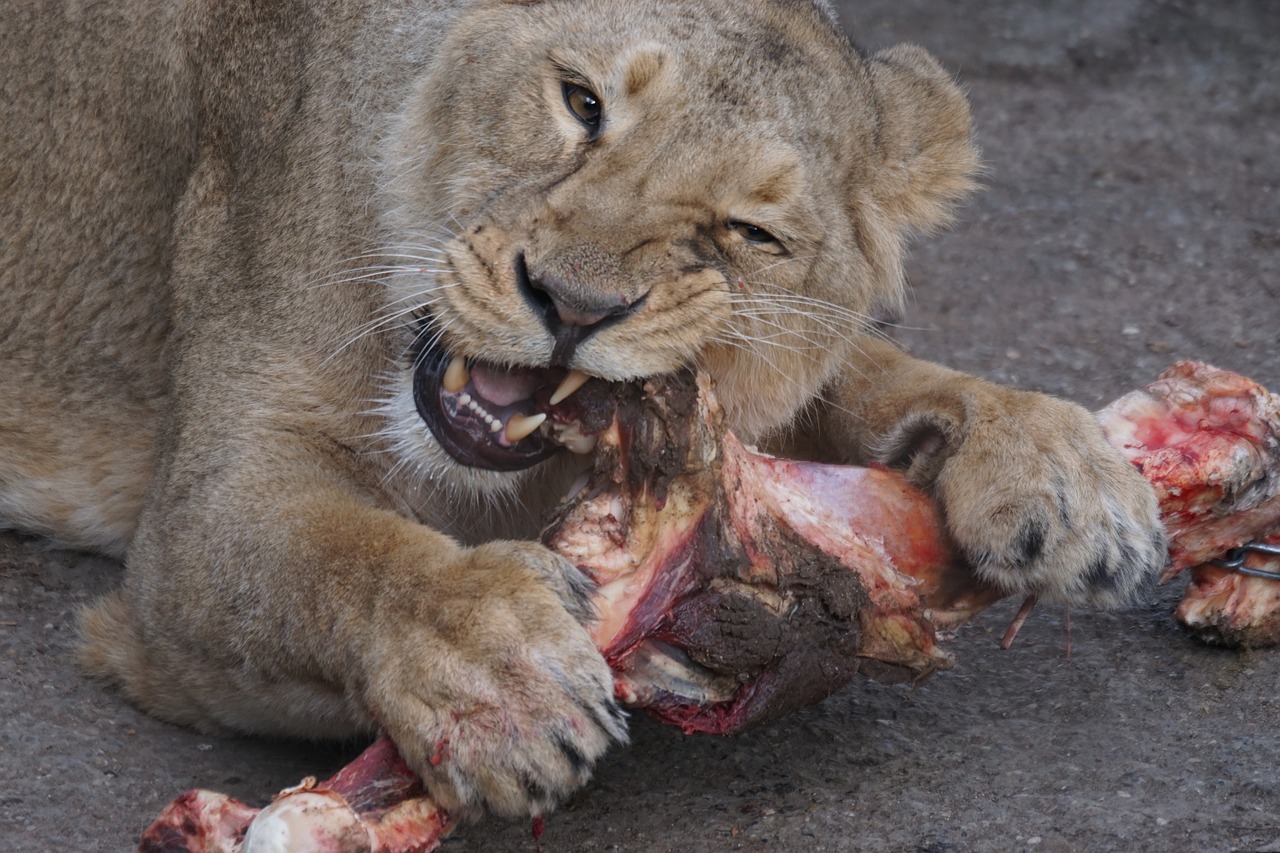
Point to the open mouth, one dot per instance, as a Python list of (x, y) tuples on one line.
[(488, 416)]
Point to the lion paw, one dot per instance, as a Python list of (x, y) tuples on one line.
[(1040, 503), (490, 686)]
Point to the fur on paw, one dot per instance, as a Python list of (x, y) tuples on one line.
[(1040, 503), (491, 687)]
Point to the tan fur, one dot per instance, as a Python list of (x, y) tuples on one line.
[(224, 220)]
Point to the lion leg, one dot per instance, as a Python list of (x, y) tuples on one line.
[(305, 608)]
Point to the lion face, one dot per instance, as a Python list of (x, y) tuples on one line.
[(628, 189)]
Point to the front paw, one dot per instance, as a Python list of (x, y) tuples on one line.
[(1040, 503), (486, 680)]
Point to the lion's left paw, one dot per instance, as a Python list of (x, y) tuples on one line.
[(1040, 503)]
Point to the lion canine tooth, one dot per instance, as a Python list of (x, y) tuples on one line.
[(572, 381), (520, 427), (456, 377)]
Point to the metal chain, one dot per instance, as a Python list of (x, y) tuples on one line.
[(1234, 559)]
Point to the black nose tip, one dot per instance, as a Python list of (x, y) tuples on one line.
[(571, 313)]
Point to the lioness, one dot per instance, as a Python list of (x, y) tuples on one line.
[(289, 285)]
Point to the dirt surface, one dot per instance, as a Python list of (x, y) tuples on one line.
[(1131, 217)]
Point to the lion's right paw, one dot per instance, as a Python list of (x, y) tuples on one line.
[(489, 685), (1040, 503)]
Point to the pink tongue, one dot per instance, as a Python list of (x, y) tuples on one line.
[(503, 387)]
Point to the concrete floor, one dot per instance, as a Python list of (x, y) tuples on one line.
[(1131, 217)]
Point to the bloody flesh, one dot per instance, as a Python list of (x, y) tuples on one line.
[(735, 587), (1209, 443)]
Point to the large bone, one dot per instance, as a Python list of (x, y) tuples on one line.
[(735, 586)]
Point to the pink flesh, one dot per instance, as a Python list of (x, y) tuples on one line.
[(636, 586), (669, 550), (199, 822), (848, 510), (874, 523), (1225, 606)]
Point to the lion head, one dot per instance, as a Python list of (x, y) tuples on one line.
[(618, 190)]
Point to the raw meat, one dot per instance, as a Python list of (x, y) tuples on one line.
[(735, 587), (1209, 442)]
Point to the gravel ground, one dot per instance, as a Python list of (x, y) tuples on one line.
[(1131, 217)]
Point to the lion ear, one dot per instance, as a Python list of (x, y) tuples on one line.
[(926, 138)]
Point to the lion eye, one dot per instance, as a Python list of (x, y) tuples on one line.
[(585, 106), (753, 233)]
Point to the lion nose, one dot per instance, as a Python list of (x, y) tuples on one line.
[(570, 311)]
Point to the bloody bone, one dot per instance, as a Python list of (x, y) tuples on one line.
[(735, 587), (1209, 442), (374, 804)]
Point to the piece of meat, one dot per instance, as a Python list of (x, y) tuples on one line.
[(735, 587)]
